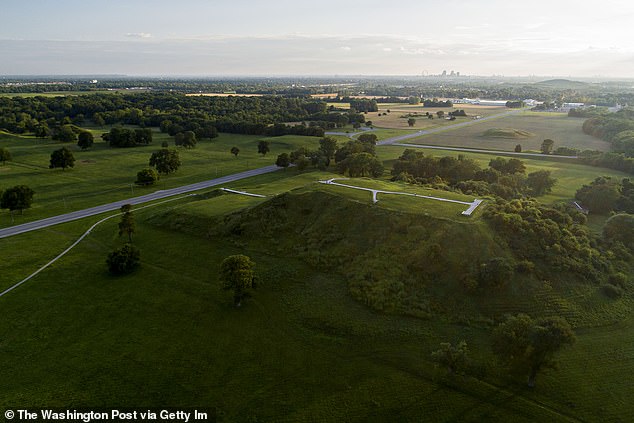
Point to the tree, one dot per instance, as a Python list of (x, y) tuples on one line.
[(65, 133), (42, 131), (440, 114), (547, 146), (283, 160), (369, 139), (620, 227), (361, 164), (5, 155), (165, 161), (85, 140), (126, 225), (411, 121), (496, 273), (518, 148), (62, 158), (186, 139), (237, 274), (328, 147), (123, 260), (455, 359), (600, 196), (235, 151), (264, 147), (19, 197), (147, 176), (540, 182), (526, 346)]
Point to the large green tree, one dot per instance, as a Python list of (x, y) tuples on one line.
[(5, 155), (165, 161), (283, 160), (19, 197), (527, 346), (62, 158), (147, 176), (454, 358), (264, 146), (620, 227), (85, 140), (237, 275), (186, 139), (123, 260), (328, 147), (540, 182), (547, 146), (600, 196)]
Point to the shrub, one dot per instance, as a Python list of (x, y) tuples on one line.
[(123, 260), (612, 291), (147, 176)]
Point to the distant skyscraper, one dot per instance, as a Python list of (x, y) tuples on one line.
[(444, 73)]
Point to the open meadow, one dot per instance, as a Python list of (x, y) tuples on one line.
[(531, 129), (300, 349), (102, 174)]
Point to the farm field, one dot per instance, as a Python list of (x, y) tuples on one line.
[(301, 349), (102, 174), (565, 131)]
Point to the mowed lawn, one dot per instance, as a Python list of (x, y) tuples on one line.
[(102, 174), (564, 130), (301, 349)]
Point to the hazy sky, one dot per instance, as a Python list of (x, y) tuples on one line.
[(320, 37)]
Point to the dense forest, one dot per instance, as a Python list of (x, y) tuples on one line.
[(173, 113)]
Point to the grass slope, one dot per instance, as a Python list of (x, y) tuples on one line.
[(300, 350), (102, 174)]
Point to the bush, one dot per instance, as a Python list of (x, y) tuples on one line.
[(123, 260), (496, 272), (612, 291), (618, 279), (147, 176), (525, 266)]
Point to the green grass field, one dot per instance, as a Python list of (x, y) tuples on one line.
[(102, 174), (301, 349), (563, 130)]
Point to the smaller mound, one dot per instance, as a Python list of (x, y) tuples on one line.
[(509, 133)]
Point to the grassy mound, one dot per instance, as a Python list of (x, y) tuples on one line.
[(510, 133), (402, 262)]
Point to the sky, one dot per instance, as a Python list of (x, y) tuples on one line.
[(326, 37)]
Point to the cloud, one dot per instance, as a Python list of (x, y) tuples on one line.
[(303, 55), (138, 35)]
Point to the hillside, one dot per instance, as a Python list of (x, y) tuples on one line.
[(405, 263)]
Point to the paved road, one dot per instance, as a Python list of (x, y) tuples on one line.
[(417, 134), (157, 195), (477, 150)]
